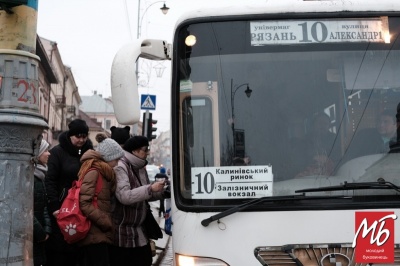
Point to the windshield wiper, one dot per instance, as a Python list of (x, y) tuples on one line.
[(243, 206), (344, 186), (353, 186)]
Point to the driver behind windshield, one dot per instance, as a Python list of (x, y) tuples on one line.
[(318, 148)]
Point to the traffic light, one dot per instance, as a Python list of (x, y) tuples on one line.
[(148, 128)]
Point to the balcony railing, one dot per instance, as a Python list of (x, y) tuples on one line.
[(71, 109), (60, 100)]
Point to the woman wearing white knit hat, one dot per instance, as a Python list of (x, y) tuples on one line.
[(95, 165), (41, 219)]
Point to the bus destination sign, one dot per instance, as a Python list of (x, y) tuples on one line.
[(319, 31), (231, 182)]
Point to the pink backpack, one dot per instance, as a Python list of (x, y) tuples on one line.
[(73, 224)]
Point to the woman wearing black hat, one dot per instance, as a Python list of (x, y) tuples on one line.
[(131, 244), (63, 168)]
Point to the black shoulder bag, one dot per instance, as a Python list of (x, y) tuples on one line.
[(151, 226)]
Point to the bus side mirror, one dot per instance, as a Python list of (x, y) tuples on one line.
[(155, 49)]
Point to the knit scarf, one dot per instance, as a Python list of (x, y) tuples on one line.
[(40, 171), (106, 170)]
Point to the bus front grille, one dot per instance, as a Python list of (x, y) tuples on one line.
[(312, 255)]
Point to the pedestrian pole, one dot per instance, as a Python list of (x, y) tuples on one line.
[(145, 123), (21, 127)]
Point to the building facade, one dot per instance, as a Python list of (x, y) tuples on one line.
[(59, 95)]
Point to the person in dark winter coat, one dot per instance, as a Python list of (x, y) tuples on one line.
[(131, 244), (63, 168), (95, 165), (41, 219)]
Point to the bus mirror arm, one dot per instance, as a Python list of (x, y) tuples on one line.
[(124, 89)]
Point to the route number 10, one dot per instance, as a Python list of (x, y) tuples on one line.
[(207, 182), (314, 32)]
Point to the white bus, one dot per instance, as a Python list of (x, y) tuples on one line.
[(283, 121)]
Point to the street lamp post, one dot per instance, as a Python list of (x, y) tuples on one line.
[(248, 92), (21, 129), (164, 10)]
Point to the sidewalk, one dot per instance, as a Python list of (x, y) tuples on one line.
[(163, 243)]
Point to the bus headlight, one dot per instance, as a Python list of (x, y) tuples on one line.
[(182, 260)]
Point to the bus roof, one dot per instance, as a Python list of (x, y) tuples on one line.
[(293, 6)]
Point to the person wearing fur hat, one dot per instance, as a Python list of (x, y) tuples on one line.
[(120, 134), (41, 218), (63, 167), (95, 165), (133, 190)]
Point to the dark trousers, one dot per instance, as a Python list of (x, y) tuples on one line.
[(57, 258), (139, 256), (59, 253), (96, 255), (161, 210)]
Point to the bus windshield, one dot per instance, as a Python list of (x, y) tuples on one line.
[(268, 108)]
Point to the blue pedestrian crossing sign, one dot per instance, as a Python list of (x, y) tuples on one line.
[(148, 102)]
